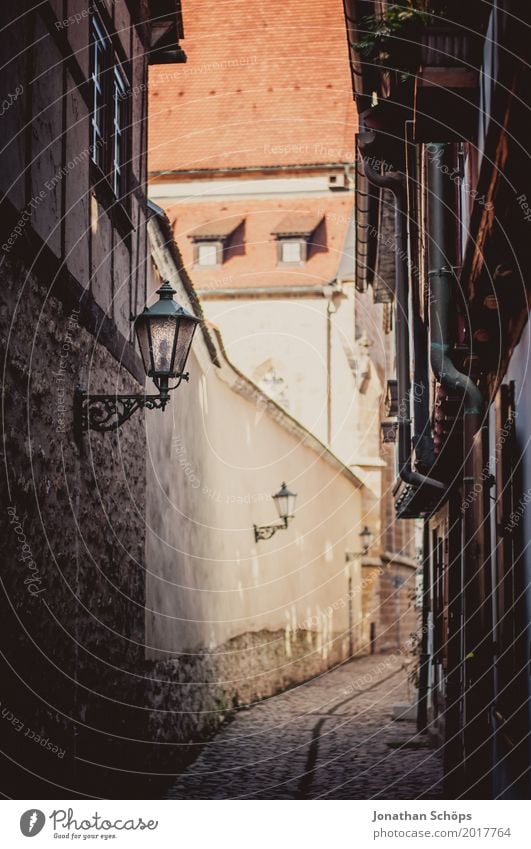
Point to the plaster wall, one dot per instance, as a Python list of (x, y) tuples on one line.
[(215, 458)]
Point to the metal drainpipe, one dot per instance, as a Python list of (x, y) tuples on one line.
[(395, 181), (441, 230), (425, 456), (329, 311)]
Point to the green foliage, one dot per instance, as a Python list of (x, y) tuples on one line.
[(392, 39)]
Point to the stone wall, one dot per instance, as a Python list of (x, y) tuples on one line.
[(72, 270), (73, 540)]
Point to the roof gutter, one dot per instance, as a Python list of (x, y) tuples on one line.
[(247, 292), (251, 169), (364, 74)]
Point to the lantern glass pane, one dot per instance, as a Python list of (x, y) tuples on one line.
[(285, 502), (143, 343), (281, 502), (163, 331), (186, 331), (366, 538), (291, 504)]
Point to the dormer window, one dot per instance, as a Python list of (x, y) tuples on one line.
[(292, 250), (212, 241), (209, 253), (294, 235)]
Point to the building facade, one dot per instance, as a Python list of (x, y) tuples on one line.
[(256, 174), (258, 614), (445, 181), (74, 269), (137, 607)]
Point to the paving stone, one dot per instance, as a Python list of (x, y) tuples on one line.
[(331, 738)]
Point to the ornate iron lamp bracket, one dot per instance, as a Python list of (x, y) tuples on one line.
[(267, 531), (104, 413)]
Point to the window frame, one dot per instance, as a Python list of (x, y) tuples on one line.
[(100, 45), (219, 248), (121, 126), (110, 157), (285, 240)]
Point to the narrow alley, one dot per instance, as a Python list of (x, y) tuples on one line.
[(265, 342), (331, 738)]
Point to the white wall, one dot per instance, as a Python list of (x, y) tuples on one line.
[(291, 333), (215, 457)]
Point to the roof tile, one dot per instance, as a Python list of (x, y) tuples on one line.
[(264, 84), (219, 228), (298, 224)]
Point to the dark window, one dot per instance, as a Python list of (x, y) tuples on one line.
[(110, 112)]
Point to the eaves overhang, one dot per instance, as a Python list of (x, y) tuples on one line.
[(166, 24), (364, 75)]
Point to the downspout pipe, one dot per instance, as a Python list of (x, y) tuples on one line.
[(441, 252), (395, 182), (442, 249), (425, 455)]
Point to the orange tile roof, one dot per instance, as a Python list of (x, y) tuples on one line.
[(252, 262), (220, 228), (265, 84), (297, 224)]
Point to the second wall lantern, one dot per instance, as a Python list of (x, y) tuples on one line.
[(285, 503)]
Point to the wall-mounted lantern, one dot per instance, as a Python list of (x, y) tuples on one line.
[(165, 332), (366, 541), (285, 504)]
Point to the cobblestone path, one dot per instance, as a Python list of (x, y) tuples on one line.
[(332, 738)]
